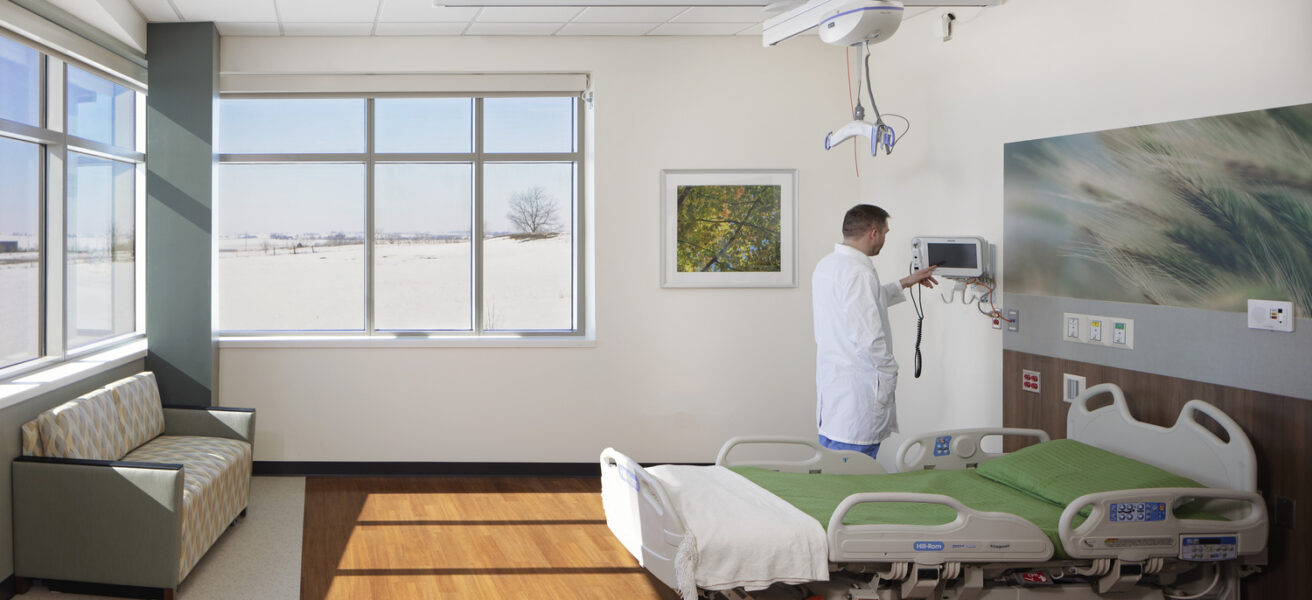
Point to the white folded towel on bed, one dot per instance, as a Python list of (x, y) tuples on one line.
[(739, 534)]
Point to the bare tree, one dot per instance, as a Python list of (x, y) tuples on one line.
[(533, 211)]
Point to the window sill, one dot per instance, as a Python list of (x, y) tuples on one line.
[(58, 375), (407, 341)]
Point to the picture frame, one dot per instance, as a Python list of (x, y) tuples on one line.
[(724, 228)]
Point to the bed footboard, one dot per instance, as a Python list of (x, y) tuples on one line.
[(972, 536), (639, 513)]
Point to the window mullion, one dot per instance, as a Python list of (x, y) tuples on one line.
[(369, 228), (477, 228), (55, 202)]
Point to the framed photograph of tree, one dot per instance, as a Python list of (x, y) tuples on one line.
[(729, 228)]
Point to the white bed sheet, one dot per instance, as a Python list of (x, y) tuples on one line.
[(738, 534)]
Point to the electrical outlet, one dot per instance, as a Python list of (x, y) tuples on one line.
[(1072, 386), (1283, 516), (1072, 326), (1029, 380), (1095, 330), (1013, 320)]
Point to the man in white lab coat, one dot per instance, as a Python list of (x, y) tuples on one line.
[(855, 370)]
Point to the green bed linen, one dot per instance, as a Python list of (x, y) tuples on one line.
[(1060, 471), (819, 495)]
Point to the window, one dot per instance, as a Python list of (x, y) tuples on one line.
[(20, 256), (68, 208), (397, 215)]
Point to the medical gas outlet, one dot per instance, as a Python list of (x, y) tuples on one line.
[(1098, 330)]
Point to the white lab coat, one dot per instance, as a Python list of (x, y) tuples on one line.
[(855, 373)]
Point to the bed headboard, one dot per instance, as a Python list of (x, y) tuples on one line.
[(1186, 448)]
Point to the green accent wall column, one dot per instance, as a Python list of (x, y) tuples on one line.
[(181, 111)]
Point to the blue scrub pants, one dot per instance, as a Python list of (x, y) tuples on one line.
[(868, 449)]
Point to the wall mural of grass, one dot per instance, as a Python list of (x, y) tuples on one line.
[(1204, 213)]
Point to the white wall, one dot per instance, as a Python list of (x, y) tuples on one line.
[(675, 372)]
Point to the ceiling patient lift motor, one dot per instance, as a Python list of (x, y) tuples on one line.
[(863, 23), (967, 260)]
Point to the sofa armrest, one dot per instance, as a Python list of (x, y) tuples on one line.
[(91, 520), (211, 421)]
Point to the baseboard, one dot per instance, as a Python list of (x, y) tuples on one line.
[(102, 589), (449, 469)]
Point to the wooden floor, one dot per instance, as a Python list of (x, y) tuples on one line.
[(455, 538)]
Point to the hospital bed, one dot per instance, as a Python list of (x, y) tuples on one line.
[(1119, 509)]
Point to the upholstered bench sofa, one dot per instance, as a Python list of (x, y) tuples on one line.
[(116, 488)]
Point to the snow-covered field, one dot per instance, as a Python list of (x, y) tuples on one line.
[(528, 284), (97, 309)]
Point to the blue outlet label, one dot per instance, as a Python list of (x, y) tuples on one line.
[(928, 546)]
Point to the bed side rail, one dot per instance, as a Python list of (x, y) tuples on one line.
[(1136, 525), (972, 536), (639, 513), (821, 460), (955, 449)]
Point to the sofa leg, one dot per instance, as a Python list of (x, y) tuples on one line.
[(22, 585), (170, 593)]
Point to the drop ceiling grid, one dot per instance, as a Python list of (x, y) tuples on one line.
[(423, 17)]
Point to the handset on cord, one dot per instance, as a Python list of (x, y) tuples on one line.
[(918, 301)]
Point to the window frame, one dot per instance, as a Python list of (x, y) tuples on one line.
[(56, 144), (477, 159)]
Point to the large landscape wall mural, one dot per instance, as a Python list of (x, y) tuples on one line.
[(1204, 213)]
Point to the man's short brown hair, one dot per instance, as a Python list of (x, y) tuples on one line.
[(862, 218)]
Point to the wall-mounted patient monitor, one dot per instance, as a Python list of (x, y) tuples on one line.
[(962, 257)]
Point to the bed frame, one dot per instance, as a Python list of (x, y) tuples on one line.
[(1113, 556)]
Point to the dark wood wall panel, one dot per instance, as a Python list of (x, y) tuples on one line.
[(1278, 427)]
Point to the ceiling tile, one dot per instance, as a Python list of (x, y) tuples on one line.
[(606, 28), (327, 11), (635, 14), (512, 28), (236, 11), (156, 11), (423, 11), (249, 29), (722, 14), (420, 28), (327, 28), (697, 29), (527, 14)]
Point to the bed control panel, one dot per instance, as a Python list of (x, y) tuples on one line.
[(1207, 549), (943, 445), (1123, 512)]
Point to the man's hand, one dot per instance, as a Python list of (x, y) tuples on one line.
[(924, 277)]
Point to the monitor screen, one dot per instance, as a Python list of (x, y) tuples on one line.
[(953, 255)]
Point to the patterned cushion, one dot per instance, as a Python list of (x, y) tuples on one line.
[(216, 486), (32, 439), (140, 414), (86, 427)]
